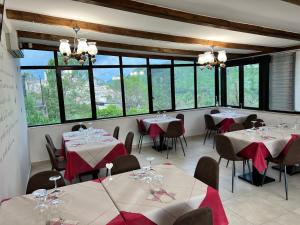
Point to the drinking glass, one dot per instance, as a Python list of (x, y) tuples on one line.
[(150, 159), (90, 127), (157, 183), (56, 191), (41, 196)]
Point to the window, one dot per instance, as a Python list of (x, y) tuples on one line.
[(107, 60), (40, 95), (232, 83), (184, 87), (161, 89), (76, 91), (37, 58), (251, 85), (136, 91), (183, 62), (159, 61), (133, 61), (108, 93), (205, 87)]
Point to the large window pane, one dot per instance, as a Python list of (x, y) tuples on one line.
[(205, 87), (251, 85), (77, 97), (133, 61), (159, 61), (136, 90), (40, 94), (107, 60), (108, 92), (71, 62), (184, 87), (37, 58), (161, 89), (232, 82), (183, 62)]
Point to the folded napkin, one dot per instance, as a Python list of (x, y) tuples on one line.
[(56, 221)]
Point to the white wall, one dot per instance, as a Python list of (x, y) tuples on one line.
[(14, 154), (297, 82)]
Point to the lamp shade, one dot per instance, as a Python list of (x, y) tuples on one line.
[(64, 47), (222, 57), (92, 48), (209, 57), (201, 59), (82, 46)]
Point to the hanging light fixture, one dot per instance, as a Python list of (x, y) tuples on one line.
[(82, 49), (209, 59)]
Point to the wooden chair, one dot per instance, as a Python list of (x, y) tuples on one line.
[(116, 132), (291, 158), (207, 171), (128, 142), (174, 132), (226, 151), (201, 216), (143, 132), (41, 181), (49, 140), (58, 164), (181, 117), (248, 122), (214, 111), (210, 126), (78, 126), (236, 127), (125, 164)]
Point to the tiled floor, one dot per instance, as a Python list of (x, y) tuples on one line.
[(249, 204)]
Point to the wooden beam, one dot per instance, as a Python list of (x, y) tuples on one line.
[(104, 52), (51, 37), (171, 14), (295, 2), (51, 20)]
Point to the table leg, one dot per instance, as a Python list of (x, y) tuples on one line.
[(257, 177), (161, 146)]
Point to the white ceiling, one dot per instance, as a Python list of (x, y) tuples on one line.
[(271, 13)]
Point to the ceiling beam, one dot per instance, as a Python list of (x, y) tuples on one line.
[(172, 14), (295, 2), (51, 20), (105, 52), (52, 37)]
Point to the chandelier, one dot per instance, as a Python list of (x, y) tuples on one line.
[(82, 49), (209, 59)]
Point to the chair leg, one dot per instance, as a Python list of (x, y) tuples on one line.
[(214, 141), (175, 143), (227, 163), (232, 178), (280, 171), (184, 140), (219, 160), (244, 167), (207, 131), (182, 146), (141, 141), (167, 141), (248, 163), (285, 184), (265, 173)]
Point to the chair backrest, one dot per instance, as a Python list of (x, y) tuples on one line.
[(52, 157), (207, 171), (78, 126), (209, 122), (181, 117), (50, 141), (236, 127), (248, 121), (259, 123), (214, 111), (128, 142), (141, 126), (124, 164), (116, 132), (174, 129), (41, 181), (293, 155), (201, 216), (224, 147)]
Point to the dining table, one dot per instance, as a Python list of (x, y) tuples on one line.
[(157, 127), (225, 119), (258, 144), (160, 202), (82, 204), (90, 149)]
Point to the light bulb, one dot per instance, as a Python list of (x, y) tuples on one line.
[(222, 57), (64, 47), (92, 48), (82, 46), (201, 59)]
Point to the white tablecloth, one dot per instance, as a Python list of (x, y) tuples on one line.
[(162, 122), (237, 117)]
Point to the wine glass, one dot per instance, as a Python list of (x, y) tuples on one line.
[(157, 183), (55, 179), (150, 159), (253, 124), (90, 127), (109, 166), (80, 129), (41, 196)]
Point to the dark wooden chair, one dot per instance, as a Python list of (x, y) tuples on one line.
[(116, 132), (225, 150), (181, 117), (78, 126), (125, 164), (174, 132), (210, 126), (236, 127), (214, 111), (207, 171), (201, 216), (128, 142), (49, 140), (248, 122), (291, 158), (58, 164), (41, 181), (142, 131)]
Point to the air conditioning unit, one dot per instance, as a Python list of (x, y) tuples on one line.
[(12, 44)]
